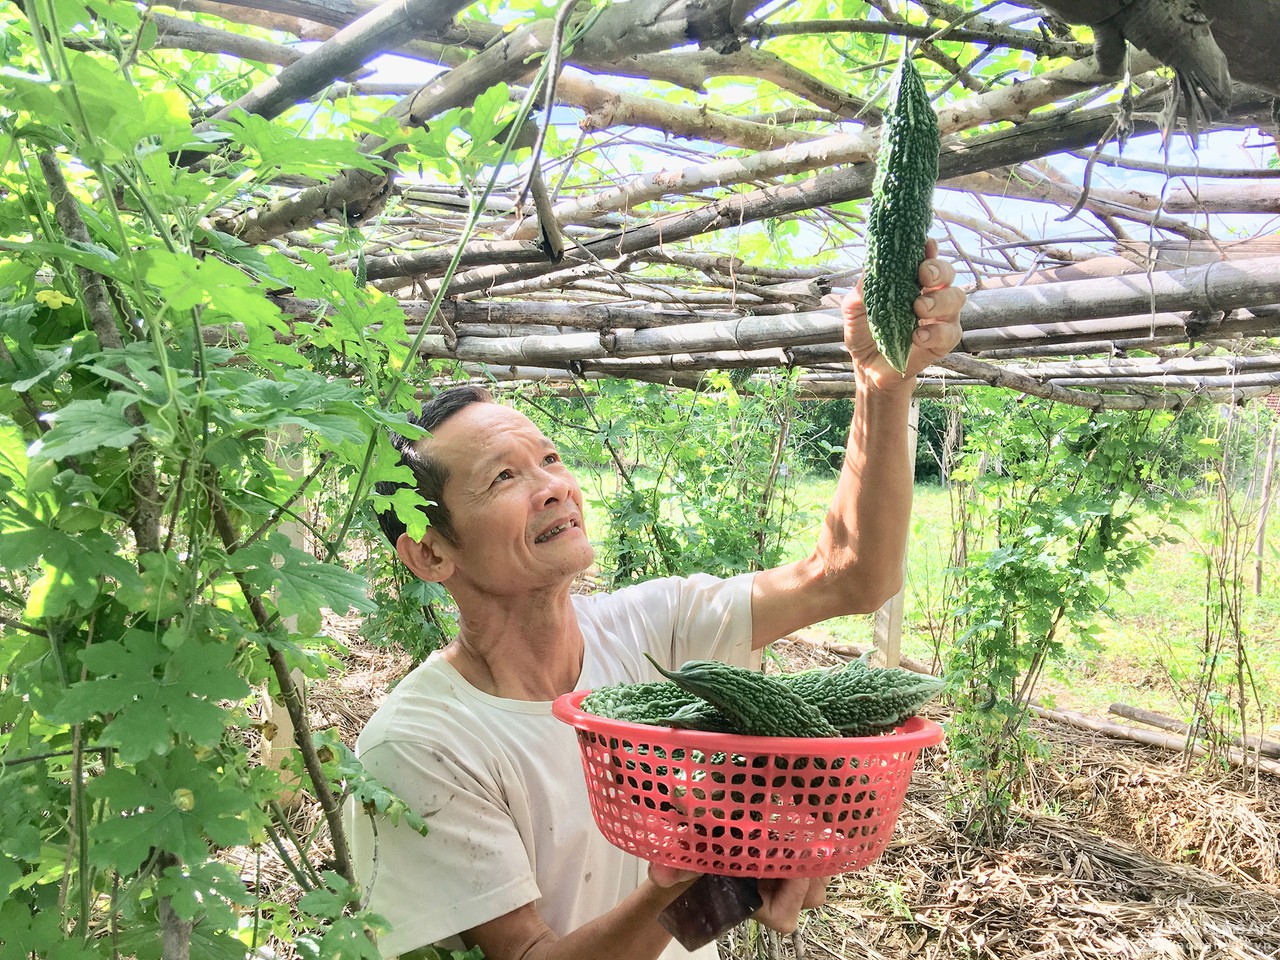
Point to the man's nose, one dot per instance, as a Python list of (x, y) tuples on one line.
[(555, 487)]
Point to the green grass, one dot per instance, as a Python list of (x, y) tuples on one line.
[(1153, 643)]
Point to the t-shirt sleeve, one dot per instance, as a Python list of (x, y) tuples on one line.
[(676, 619), (471, 866)]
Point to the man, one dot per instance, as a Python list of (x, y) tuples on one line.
[(513, 862)]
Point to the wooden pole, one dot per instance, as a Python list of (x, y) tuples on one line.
[(888, 623), (1268, 748), (1168, 741)]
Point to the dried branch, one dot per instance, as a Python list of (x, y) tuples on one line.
[(344, 52), (691, 68), (144, 518), (1177, 170), (607, 107), (930, 50), (1026, 185), (626, 28), (978, 31), (959, 157), (305, 19)]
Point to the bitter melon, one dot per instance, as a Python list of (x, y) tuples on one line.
[(658, 703), (853, 700), (757, 704), (901, 211), (861, 701)]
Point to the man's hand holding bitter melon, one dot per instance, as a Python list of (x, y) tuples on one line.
[(938, 308)]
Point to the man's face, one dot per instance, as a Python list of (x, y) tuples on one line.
[(516, 509)]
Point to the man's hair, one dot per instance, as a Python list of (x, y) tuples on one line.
[(428, 472)]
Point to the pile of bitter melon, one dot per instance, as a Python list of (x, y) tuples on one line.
[(852, 700)]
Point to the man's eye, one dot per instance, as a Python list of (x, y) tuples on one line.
[(504, 475), (551, 458)]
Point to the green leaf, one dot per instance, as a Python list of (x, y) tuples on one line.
[(126, 119), (152, 693), (205, 891), (37, 94), (13, 456), (223, 291), (283, 149), (83, 426), (146, 814), (302, 584), (332, 900), (88, 255)]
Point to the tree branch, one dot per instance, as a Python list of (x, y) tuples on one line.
[(607, 107), (979, 31), (338, 56), (691, 68), (144, 517)]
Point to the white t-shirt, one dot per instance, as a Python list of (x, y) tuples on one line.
[(500, 782)]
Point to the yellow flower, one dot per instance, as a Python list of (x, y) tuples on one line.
[(54, 299)]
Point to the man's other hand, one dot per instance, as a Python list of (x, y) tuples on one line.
[(938, 308), (785, 898)]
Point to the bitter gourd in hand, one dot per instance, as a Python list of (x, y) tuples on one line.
[(901, 211)]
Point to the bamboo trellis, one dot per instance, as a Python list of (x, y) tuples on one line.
[(634, 275)]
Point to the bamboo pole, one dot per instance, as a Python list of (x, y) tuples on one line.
[(1260, 539), (1166, 741), (1268, 748)]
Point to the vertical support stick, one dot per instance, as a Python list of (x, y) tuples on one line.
[(279, 733), (887, 635), (1260, 542)]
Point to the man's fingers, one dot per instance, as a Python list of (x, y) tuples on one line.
[(665, 876), (816, 895), (783, 901), (941, 304), (935, 273), (940, 337)]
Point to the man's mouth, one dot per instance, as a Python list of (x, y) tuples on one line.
[(558, 529)]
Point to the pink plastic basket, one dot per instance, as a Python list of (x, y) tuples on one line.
[(745, 806)]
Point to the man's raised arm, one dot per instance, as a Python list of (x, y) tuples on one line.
[(857, 563)]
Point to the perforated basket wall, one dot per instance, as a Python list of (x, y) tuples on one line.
[(745, 806)]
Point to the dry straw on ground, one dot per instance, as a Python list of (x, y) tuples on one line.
[(1125, 855)]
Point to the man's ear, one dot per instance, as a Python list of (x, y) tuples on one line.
[(425, 557)]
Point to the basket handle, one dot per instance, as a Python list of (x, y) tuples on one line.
[(711, 907)]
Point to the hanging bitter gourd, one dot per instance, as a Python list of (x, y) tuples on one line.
[(901, 211)]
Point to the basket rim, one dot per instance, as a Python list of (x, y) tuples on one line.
[(915, 733)]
